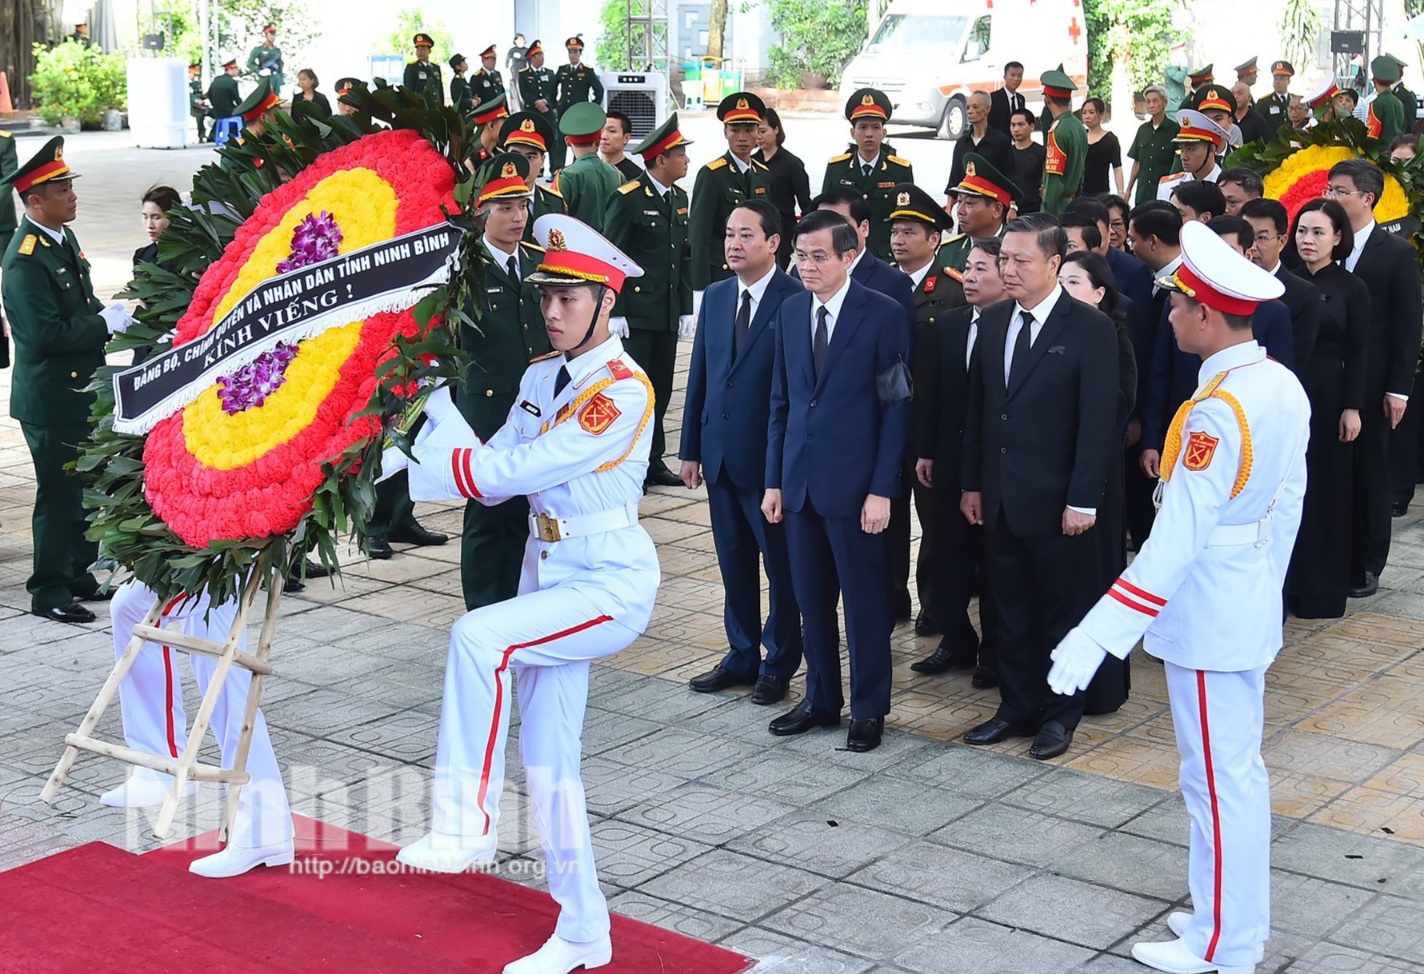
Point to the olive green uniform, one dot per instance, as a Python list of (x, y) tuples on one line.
[(586, 185), (1410, 103), (534, 84), (461, 97), (1155, 153), (59, 343), (847, 171), (1389, 113), (719, 189), (264, 58), (223, 96), (510, 335), (1070, 139), (653, 231), (485, 87), (9, 162), (574, 83), (425, 77), (545, 201)]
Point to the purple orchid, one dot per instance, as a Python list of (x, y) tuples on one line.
[(315, 239)]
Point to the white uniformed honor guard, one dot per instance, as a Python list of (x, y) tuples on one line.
[(1206, 592), (576, 444), (1199, 140)]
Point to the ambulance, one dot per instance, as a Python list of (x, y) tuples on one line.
[(928, 55)]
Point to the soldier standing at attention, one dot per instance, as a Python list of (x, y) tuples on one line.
[(422, 76), (510, 335), (871, 168), (573, 84), (1273, 106), (487, 118), (1246, 72), (722, 184), (529, 135), (647, 219), (461, 97), (265, 59), (586, 183), (1385, 117), (1066, 144), (487, 82), (536, 94), (1406, 97), (60, 330), (985, 198)]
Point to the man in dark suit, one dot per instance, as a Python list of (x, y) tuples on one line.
[(1390, 268), (959, 565), (724, 422), (833, 456), (867, 269), (981, 139), (1040, 429), (1271, 224), (1006, 100)]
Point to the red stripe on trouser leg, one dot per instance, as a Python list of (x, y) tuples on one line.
[(168, 682), (499, 704), (1215, 820)]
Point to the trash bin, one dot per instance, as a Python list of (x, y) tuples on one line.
[(692, 86)]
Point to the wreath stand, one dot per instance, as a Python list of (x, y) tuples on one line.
[(186, 767)]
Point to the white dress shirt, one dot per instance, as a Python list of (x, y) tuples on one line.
[(658, 187), (742, 167), (1362, 237), (757, 289), (833, 309), (56, 235), (861, 162), (1168, 269), (501, 258), (973, 337), (917, 276)]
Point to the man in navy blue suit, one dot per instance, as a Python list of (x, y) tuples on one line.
[(835, 443), (724, 423)]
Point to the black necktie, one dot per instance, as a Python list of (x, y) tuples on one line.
[(743, 323), (865, 168), (513, 268), (561, 380), (1021, 345), (822, 340)]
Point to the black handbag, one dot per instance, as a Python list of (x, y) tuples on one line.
[(894, 384)]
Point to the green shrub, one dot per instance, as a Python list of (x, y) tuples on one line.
[(820, 36), (75, 81)]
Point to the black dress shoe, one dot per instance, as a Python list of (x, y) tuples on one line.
[(414, 534), (925, 624), (294, 583), (73, 612), (315, 569), (801, 718), (942, 660), (1051, 740), (378, 547), (900, 607), (719, 678), (1370, 587), (865, 733), (98, 595), (1398, 509), (660, 476), (769, 689), (984, 678), (994, 730)]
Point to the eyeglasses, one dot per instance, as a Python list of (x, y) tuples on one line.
[(1332, 191), (819, 257)]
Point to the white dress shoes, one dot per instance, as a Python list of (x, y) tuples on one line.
[(436, 852), (234, 860), (560, 956), (144, 788), (1175, 957), (1177, 923)]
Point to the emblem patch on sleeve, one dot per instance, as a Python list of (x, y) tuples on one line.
[(1200, 448), (598, 414)]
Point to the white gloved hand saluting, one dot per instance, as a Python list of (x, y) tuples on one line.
[(116, 318), (1075, 661), (686, 326), (618, 327)]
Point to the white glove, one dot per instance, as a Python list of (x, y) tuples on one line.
[(393, 461), (440, 406), (696, 302), (1075, 661), (686, 326), (445, 430), (618, 327), (116, 318)]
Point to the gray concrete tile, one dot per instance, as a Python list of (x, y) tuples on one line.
[(1314, 908), (778, 954), (975, 946), (629, 855), (818, 844), (899, 804), (940, 876), (612, 788), (786, 777), (705, 814), (1085, 797), (1328, 958), (871, 924), (1130, 863), (968, 771), (697, 924), (1016, 835), (681, 753), (1387, 925), (1343, 857), (1077, 912), (734, 885)]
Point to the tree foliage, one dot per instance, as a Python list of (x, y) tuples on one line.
[(817, 36), (612, 51), (1138, 31), (240, 23), (73, 80), (411, 21), (1300, 30)]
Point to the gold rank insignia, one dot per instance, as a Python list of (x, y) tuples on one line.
[(903, 199), (969, 169), (27, 246), (742, 104), (556, 241), (58, 153), (508, 172)]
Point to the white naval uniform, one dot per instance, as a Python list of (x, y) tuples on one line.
[(1204, 594), (151, 700), (580, 456), (1167, 185)]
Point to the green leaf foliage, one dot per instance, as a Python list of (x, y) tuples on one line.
[(74, 80), (1138, 31)]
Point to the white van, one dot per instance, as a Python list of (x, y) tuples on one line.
[(928, 55)]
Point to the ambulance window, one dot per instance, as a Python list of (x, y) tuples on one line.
[(978, 43), (918, 30)]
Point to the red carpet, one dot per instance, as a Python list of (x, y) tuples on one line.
[(100, 908)]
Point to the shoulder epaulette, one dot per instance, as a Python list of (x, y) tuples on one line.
[(27, 246), (5, 135), (618, 370), (840, 158), (899, 161), (957, 275), (628, 187), (552, 191), (717, 163), (532, 246), (953, 238), (761, 165), (544, 358), (527, 67), (1171, 178)]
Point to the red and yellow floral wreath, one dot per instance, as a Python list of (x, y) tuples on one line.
[(213, 473)]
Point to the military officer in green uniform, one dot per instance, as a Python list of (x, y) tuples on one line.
[(722, 184), (587, 183), (573, 84), (647, 219), (1195, 79), (421, 75), (223, 94), (265, 60), (487, 82), (60, 329), (1385, 117), (984, 197), (509, 336), (1273, 106), (197, 104), (1246, 72), (530, 135), (870, 168), (1066, 145), (9, 163), (1407, 99), (462, 99), (1152, 152), (536, 94), (487, 119)]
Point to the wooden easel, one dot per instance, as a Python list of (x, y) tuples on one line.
[(186, 767)]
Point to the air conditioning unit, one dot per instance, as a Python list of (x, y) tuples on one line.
[(642, 97)]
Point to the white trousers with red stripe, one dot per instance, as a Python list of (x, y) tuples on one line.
[(151, 701), (1218, 719), (547, 639)]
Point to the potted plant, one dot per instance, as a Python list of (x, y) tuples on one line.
[(74, 85)]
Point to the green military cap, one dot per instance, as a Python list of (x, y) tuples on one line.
[(262, 100), (1214, 98), (1201, 75), (1057, 84), (491, 109), (1402, 63), (981, 178), (46, 166), (423, 40), (581, 121), (455, 62), (527, 128), (867, 103), (346, 85), (1282, 67), (660, 140), (508, 172), (1385, 68), (741, 106), (913, 203), (1246, 67)]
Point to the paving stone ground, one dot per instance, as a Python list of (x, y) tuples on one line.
[(923, 856)]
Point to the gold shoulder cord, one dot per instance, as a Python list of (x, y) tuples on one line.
[(1172, 448), (578, 402)]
